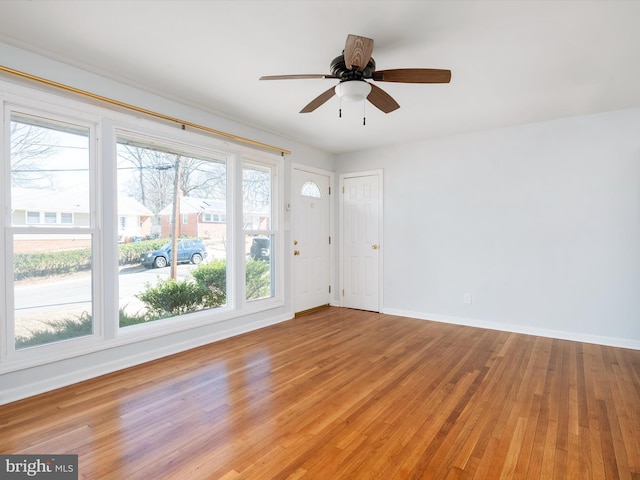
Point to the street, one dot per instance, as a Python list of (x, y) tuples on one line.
[(67, 297)]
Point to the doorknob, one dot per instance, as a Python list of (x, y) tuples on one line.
[(296, 252), (374, 246), (295, 242)]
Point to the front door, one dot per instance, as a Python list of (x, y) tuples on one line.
[(361, 233), (311, 243)]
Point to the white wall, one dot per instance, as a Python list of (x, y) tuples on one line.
[(540, 223)]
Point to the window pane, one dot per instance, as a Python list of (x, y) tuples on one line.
[(310, 189), (33, 217), (49, 170), (52, 273), (52, 288), (146, 193), (256, 195), (259, 240), (259, 271)]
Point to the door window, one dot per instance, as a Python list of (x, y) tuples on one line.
[(311, 189)]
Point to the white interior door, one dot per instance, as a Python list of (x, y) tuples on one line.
[(361, 233), (311, 247)]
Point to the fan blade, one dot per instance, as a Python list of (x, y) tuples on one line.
[(357, 51), (413, 75), (382, 100), (297, 77), (319, 100)]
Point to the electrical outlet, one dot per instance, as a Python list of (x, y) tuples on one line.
[(467, 298)]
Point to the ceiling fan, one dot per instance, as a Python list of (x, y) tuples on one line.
[(354, 67)]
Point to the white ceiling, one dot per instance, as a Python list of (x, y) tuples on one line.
[(512, 62)]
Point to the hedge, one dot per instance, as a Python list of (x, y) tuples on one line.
[(33, 265), (28, 265)]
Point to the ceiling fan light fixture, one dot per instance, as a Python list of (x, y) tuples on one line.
[(353, 90)]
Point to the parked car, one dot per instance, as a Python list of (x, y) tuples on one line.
[(260, 248), (189, 250)]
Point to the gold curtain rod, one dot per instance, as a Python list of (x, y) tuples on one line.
[(143, 110)]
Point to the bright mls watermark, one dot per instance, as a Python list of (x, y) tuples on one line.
[(44, 467)]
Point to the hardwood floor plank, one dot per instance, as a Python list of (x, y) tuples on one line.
[(346, 394), (527, 443)]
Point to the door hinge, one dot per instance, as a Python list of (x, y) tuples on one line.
[(342, 189), (329, 240), (329, 288), (329, 190), (343, 292)]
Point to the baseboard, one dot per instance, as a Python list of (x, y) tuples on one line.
[(527, 330), (70, 378), (312, 310)]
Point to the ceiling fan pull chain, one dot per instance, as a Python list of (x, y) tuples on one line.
[(364, 114), (340, 101)]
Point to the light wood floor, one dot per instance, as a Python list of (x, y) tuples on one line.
[(344, 394)]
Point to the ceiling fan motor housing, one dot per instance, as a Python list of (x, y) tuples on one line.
[(339, 69)]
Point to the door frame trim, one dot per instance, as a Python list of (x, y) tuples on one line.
[(366, 173), (333, 281)]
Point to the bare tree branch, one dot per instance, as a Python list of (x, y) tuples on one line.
[(29, 146)]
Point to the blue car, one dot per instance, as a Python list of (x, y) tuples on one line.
[(190, 250)]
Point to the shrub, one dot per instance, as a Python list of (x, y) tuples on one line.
[(258, 279), (212, 277), (170, 297), (127, 319)]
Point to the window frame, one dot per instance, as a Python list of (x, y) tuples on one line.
[(146, 133), (104, 123), (195, 144), (274, 232), (10, 357)]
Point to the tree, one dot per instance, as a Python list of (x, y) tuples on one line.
[(256, 195), (256, 186), (203, 178), (29, 146), (153, 182)]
